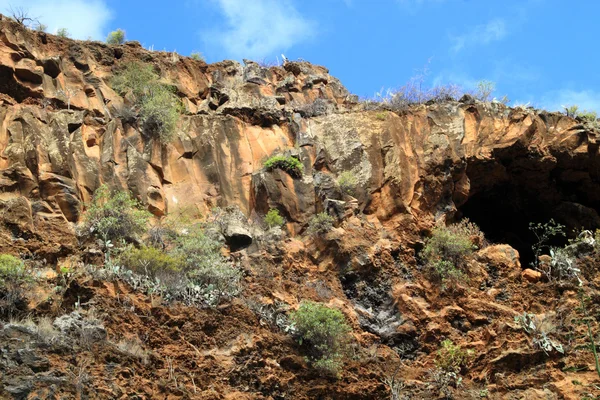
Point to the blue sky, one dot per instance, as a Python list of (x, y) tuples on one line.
[(539, 51)]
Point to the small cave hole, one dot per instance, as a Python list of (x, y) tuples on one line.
[(504, 213)]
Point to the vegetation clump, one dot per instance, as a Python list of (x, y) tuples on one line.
[(196, 55), (63, 33), (348, 182), (115, 216), (324, 333), (157, 105), (452, 358), (12, 270), (273, 218), (116, 37), (320, 224), (150, 261), (289, 164), (448, 249)]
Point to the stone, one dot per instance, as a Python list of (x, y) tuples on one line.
[(531, 276)]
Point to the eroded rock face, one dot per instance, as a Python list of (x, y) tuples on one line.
[(432, 162)]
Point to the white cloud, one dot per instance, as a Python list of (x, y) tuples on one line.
[(480, 35), (259, 28), (585, 99), (82, 18)]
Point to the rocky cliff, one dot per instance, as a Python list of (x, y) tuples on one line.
[(62, 135)]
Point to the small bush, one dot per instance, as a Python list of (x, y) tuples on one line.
[(150, 261), (273, 218), (449, 243), (196, 55), (451, 358), (320, 224), (160, 113), (348, 182), (116, 37), (12, 270), (40, 27), (323, 331), (446, 273), (159, 107), (63, 33), (206, 267), (289, 164), (381, 116), (12, 278), (448, 249), (115, 216)]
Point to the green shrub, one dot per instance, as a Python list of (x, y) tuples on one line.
[(273, 218), (196, 55), (453, 243), (448, 249), (158, 106), (149, 261), (12, 278), (116, 37), (348, 182), (63, 33), (446, 273), (115, 216), (451, 358), (324, 333), (381, 116), (159, 114), (12, 269), (320, 224), (289, 164), (205, 266), (590, 116)]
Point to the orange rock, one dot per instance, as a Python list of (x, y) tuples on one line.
[(531, 275)]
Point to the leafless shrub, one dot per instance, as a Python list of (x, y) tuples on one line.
[(134, 348), (22, 17), (442, 382), (394, 384)]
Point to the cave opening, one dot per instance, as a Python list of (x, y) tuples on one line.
[(504, 213)]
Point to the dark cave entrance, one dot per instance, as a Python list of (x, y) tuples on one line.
[(504, 212)]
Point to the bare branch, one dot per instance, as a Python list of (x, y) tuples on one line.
[(21, 16)]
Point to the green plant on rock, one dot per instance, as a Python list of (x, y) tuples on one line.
[(320, 224), (196, 55), (116, 37), (160, 113), (12, 269), (452, 358), (205, 266), (156, 102), (63, 33), (448, 249), (324, 333), (348, 182), (289, 164), (12, 277), (273, 218), (115, 216), (150, 261)]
